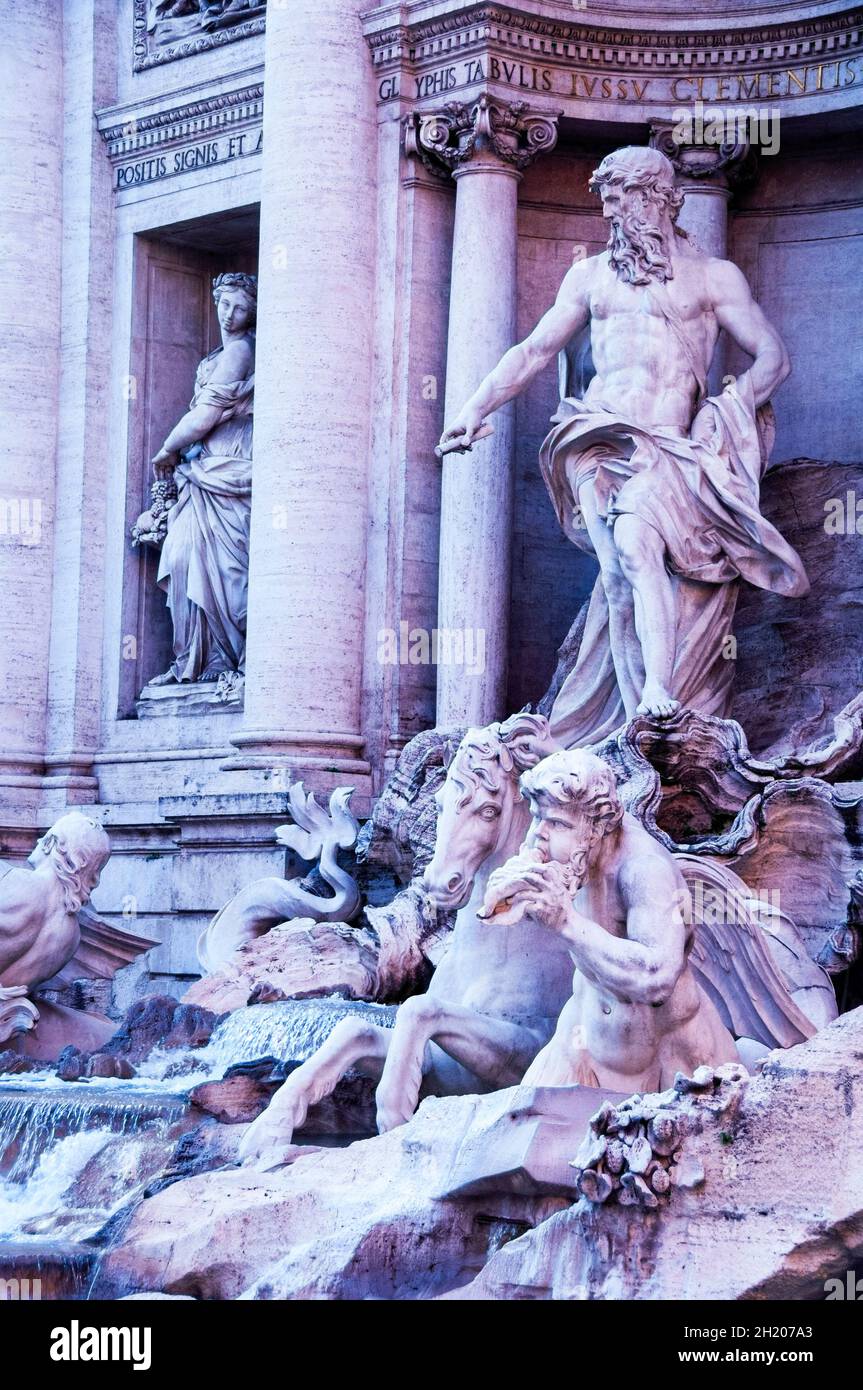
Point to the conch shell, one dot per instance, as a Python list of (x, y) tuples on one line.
[(506, 885)]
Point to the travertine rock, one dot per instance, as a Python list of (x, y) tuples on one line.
[(304, 959), (794, 675), (338, 1223), (780, 1209), (400, 833), (160, 1021)]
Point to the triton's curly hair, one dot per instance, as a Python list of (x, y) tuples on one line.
[(577, 778)]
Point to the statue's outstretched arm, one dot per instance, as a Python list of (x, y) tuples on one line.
[(517, 368)]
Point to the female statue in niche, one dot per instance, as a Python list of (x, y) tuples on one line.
[(204, 566)]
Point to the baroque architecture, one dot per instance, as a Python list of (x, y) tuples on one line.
[(408, 183)]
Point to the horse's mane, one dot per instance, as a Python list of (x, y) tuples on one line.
[(500, 752)]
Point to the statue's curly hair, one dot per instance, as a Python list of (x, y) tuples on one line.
[(78, 849), (237, 280), (577, 778), (499, 752), (637, 166)]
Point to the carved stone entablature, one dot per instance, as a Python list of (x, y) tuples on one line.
[(451, 137), (168, 29), (615, 67), (147, 146)]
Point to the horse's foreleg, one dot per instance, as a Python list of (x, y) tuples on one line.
[(494, 1049), (352, 1043)]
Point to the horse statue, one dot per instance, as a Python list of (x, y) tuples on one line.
[(494, 999)]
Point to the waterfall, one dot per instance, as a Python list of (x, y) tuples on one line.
[(291, 1030), (70, 1154)]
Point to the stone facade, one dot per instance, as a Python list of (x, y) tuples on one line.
[(409, 213)]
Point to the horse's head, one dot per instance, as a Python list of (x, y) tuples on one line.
[(480, 810)]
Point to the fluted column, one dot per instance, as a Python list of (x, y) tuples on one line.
[(312, 394), (31, 133), (485, 146)]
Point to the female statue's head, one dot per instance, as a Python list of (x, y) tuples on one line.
[(236, 299)]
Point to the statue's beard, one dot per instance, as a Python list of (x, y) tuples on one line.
[(637, 251), (581, 859)]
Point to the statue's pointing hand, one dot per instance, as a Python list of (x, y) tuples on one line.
[(525, 886), (462, 434)]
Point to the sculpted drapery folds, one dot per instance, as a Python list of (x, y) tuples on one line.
[(204, 563), (646, 472)]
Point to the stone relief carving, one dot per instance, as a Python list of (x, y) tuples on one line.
[(166, 29), (635, 1152), (201, 507), (314, 834)]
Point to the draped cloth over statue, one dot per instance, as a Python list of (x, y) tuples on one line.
[(204, 567), (702, 496)]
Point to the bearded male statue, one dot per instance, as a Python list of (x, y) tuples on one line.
[(591, 873), (50, 935), (656, 480)]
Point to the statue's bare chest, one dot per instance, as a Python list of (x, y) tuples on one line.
[(614, 299)]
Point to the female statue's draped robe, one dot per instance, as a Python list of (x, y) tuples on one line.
[(702, 496), (204, 566)]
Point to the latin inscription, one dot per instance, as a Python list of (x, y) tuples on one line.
[(778, 84), (191, 157)]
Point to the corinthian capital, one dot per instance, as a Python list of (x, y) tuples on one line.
[(450, 138), (700, 152)]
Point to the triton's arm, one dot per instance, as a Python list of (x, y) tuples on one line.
[(642, 967), (737, 312), (518, 367)]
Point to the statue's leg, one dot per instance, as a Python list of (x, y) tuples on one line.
[(641, 551), (352, 1043), (625, 649), (494, 1049)]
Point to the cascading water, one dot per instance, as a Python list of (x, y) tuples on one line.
[(72, 1154), (292, 1030)]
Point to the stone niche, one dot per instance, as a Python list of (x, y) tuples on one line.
[(174, 326)]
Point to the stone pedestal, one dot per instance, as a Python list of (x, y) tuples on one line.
[(312, 397), (485, 146)]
